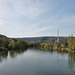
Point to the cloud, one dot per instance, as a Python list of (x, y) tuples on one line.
[(43, 29), (2, 22), (30, 17), (27, 8)]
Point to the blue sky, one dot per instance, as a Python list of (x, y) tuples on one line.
[(32, 18)]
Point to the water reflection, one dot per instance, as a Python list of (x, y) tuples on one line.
[(37, 61), (3, 55), (14, 53), (71, 60), (11, 53), (71, 56)]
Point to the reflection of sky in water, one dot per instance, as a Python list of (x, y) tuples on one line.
[(37, 62)]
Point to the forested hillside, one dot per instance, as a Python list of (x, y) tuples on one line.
[(43, 39)]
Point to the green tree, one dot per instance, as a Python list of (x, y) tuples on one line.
[(58, 46), (5, 43), (11, 45), (18, 45), (71, 43), (0, 41)]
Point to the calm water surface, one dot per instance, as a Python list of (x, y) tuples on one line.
[(36, 62)]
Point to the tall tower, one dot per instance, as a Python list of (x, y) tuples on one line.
[(58, 37)]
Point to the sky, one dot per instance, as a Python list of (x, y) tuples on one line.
[(32, 18)]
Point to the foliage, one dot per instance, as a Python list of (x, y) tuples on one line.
[(18, 44), (71, 43), (11, 45), (47, 45), (4, 42)]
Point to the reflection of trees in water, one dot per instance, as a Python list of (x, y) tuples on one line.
[(3, 55), (12, 54), (71, 59), (45, 49), (52, 51), (62, 53)]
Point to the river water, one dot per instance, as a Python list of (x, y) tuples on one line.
[(35, 61)]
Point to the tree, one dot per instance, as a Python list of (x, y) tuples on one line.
[(11, 45), (0, 41), (18, 45), (51, 45), (58, 46), (4, 43), (71, 43)]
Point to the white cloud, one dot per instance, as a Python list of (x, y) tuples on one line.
[(2, 22), (27, 8), (26, 16), (43, 29)]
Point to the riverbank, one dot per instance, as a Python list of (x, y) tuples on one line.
[(66, 50)]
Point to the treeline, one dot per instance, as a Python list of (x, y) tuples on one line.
[(68, 46), (14, 44), (8, 44)]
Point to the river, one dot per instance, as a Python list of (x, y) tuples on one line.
[(35, 61)]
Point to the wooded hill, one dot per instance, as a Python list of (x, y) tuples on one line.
[(46, 39), (3, 36)]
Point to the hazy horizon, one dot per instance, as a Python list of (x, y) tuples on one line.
[(33, 18)]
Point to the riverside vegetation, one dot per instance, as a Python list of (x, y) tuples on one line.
[(68, 46), (14, 44)]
